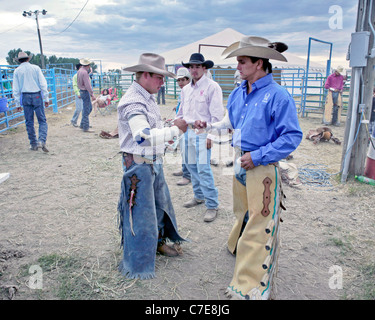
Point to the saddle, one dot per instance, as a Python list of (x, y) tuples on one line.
[(322, 134)]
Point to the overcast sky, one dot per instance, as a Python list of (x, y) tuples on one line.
[(117, 31)]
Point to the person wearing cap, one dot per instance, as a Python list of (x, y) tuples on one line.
[(146, 214), (334, 84), (183, 78), (78, 99), (202, 99), (30, 89), (263, 117), (86, 92)]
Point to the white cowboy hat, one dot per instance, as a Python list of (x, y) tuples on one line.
[(256, 47), (340, 69), (151, 62), (183, 72), (85, 62), (23, 55)]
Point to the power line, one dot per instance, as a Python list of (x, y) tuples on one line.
[(74, 18), (13, 28)]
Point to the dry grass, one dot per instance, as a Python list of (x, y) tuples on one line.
[(59, 211)]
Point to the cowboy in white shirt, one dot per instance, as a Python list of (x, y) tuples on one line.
[(202, 99), (30, 89)]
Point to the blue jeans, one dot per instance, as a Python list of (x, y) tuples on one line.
[(161, 93), (87, 108), (79, 107), (33, 102), (197, 159), (185, 172)]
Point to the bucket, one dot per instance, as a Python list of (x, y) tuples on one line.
[(370, 161), (3, 104)]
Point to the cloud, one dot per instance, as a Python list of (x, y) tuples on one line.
[(109, 29)]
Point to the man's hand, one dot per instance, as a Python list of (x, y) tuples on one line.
[(209, 143), (180, 124), (46, 104), (247, 162), (198, 124)]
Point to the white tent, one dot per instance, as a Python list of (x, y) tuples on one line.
[(224, 38)]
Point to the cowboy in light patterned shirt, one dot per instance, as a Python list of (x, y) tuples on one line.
[(146, 213)]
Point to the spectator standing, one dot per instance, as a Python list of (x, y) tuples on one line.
[(86, 92), (334, 84), (78, 99), (29, 90)]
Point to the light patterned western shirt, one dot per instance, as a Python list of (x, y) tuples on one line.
[(138, 101)]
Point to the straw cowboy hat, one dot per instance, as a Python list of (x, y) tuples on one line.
[(151, 62), (182, 73), (197, 58), (256, 47), (85, 62), (340, 69), (23, 55)]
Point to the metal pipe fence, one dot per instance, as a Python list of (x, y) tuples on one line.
[(60, 89), (309, 94)]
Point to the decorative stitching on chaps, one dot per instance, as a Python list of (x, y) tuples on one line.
[(133, 191), (266, 196)]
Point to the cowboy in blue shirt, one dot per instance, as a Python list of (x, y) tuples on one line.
[(266, 129)]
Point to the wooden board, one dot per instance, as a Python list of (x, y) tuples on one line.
[(327, 115)]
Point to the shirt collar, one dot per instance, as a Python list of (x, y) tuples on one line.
[(143, 91), (260, 83), (199, 82), (24, 64)]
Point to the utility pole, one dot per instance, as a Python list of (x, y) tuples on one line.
[(362, 58), (36, 13)]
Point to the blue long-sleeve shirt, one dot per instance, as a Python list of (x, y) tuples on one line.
[(265, 121)]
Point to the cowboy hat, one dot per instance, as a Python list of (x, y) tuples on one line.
[(197, 58), (340, 69), (85, 62), (23, 55), (151, 62), (182, 73), (256, 47)]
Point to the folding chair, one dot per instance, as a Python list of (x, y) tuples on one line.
[(115, 99), (103, 109)]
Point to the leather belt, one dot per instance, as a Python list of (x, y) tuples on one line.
[(140, 159)]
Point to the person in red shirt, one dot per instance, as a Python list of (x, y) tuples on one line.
[(335, 85), (84, 85)]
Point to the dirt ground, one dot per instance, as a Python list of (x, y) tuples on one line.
[(58, 213)]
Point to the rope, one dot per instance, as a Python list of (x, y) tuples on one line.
[(315, 175)]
